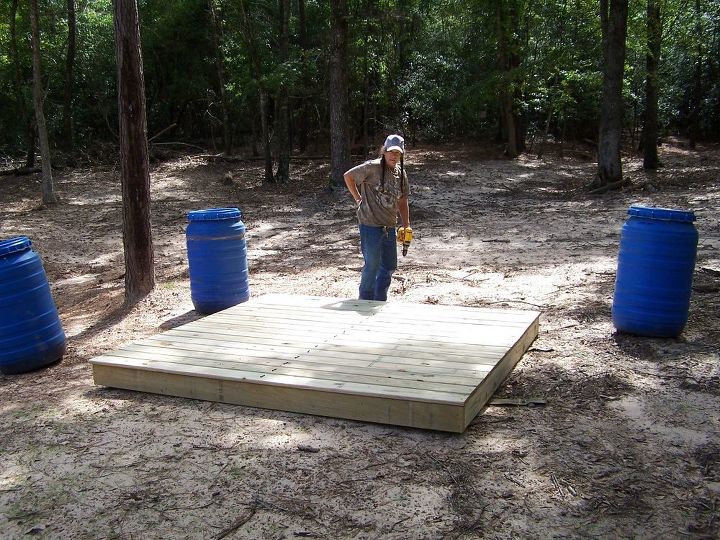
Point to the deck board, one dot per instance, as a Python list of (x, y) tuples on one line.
[(418, 365)]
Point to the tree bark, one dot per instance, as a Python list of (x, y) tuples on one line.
[(25, 115), (303, 107), (514, 60), (134, 168), (507, 116), (696, 95), (283, 105), (650, 127), (67, 119), (48, 193), (220, 68), (265, 133), (613, 22), (31, 143), (256, 67), (339, 145), (366, 96)]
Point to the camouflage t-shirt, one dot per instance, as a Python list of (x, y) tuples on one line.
[(379, 206)]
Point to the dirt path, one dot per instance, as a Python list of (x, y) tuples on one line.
[(628, 445)]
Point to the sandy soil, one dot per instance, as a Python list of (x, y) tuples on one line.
[(627, 446)]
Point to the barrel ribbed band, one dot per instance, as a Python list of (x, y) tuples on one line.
[(214, 214), (664, 214), (14, 245)]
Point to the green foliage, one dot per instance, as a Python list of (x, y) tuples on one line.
[(95, 108), (11, 140), (428, 68), (180, 74)]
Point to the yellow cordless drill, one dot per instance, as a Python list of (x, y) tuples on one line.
[(404, 236)]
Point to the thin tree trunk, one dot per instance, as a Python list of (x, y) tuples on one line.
[(696, 96), (339, 147), (694, 131), (67, 121), (613, 20), (134, 168), (265, 133), (650, 127), (304, 116), (31, 143), (25, 115), (507, 117), (253, 144), (514, 64), (48, 193), (220, 67), (366, 96), (283, 105), (256, 66)]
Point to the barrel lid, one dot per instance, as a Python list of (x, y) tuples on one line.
[(665, 214), (212, 214), (13, 245)]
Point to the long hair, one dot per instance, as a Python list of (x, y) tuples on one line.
[(382, 166)]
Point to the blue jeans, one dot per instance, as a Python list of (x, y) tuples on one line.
[(380, 254)]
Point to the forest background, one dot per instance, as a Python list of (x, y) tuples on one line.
[(627, 443), (263, 76)]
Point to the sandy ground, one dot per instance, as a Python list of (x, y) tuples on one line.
[(627, 446)]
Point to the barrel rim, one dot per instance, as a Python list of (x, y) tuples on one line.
[(14, 245), (664, 214), (213, 214)]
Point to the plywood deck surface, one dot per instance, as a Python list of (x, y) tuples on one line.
[(418, 365)]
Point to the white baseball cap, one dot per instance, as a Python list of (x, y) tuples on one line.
[(394, 142)]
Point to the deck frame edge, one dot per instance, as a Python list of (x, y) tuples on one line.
[(401, 412), (481, 396)]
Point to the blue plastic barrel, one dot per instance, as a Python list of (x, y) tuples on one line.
[(655, 269), (31, 335), (217, 259)]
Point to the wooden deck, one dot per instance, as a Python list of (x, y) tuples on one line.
[(418, 365)]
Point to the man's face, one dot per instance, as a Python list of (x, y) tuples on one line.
[(392, 158)]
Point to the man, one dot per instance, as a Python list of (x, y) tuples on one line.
[(380, 188)]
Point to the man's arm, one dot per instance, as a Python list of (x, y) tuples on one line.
[(404, 209), (350, 183)]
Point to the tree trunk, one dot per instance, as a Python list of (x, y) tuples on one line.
[(304, 116), (339, 147), (220, 67), (265, 129), (48, 194), (134, 169), (283, 105), (366, 97), (253, 144), (696, 96), (67, 119), (31, 143), (507, 116), (614, 29), (256, 66), (650, 127), (24, 114), (514, 64)]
